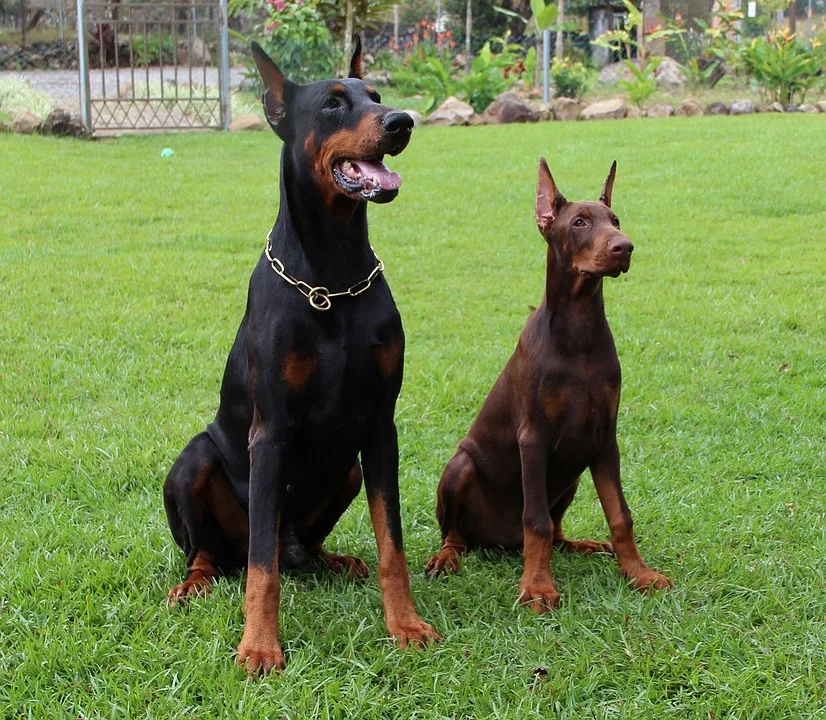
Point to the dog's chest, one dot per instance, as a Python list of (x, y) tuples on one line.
[(579, 406)]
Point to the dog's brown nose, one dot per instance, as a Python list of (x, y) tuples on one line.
[(622, 246), (398, 122)]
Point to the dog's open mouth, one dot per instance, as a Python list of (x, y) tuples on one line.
[(367, 180)]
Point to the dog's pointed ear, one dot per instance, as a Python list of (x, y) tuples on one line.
[(276, 86), (549, 200), (355, 61), (608, 186)]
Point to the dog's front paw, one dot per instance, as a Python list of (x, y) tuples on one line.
[(260, 657), (347, 565), (445, 561), (539, 597), (191, 587), (585, 547), (647, 580), (413, 631)]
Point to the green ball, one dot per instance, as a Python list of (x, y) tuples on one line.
[(167, 153)]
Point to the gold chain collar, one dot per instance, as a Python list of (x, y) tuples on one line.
[(319, 296)]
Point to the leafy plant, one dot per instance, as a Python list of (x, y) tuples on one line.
[(426, 73), (542, 18), (623, 40), (295, 33), (17, 97), (570, 78), (784, 68), (644, 84), (152, 50)]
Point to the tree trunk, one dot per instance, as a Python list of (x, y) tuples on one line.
[(348, 34), (468, 33), (23, 24), (560, 50), (396, 29), (600, 20)]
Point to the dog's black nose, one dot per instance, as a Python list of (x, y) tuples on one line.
[(622, 246), (397, 122)]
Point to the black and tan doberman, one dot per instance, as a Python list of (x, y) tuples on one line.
[(312, 379), (551, 414)]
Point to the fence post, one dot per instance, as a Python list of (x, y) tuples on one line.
[(546, 65), (83, 64), (226, 105)]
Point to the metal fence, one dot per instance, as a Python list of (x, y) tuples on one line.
[(37, 35), (153, 66)]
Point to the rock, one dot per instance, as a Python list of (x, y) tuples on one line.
[(4, 128), (566, 108), (806, 108), (768, 107), (418, 120), (57, 123), (509, 108), (476, 120), (196, 54), (633, 112), (791, 108), (613, 73), (660, 110), (717, 108), (247, 123), (613, 109), (380, 77), (821, 106), (742, 107), (668, 74), (76, 128), (451, 112), (691, 108), (543, 110), (26, 124)]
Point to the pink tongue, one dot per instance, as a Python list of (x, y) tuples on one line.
[(388, 179)]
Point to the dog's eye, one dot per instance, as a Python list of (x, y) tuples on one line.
[(334, 103), (375, 97), (579, 222), (615, 222)]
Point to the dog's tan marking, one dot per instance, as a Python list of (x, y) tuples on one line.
[(296, 369), (388, 357)]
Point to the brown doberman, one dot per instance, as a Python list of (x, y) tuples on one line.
[(551, 414)]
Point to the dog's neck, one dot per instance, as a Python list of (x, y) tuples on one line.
[(573, 301), (319, 244)]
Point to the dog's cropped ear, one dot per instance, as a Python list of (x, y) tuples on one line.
[(549, 200), (355, 61), (608, 186), (276, 86)]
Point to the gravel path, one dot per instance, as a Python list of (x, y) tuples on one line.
[(63, 86)]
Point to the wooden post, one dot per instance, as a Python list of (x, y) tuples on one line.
[(560, 51), (468, 33), (348, 34), (396, 29)]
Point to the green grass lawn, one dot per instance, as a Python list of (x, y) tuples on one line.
[(122, 281)]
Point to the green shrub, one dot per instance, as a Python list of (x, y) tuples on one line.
[(153, 50), (783, 68), (644, 84), (17, 97), (570, 78)]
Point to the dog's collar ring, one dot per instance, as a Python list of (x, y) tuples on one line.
[(319, 297)]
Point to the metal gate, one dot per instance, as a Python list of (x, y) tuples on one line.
[(153, 65)]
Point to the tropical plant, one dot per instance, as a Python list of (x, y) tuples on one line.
[(295, 33), (17, 97), (783, 68), (570, 78), (542, 18), (427, 73), (152, 49), (487, 74), (623, 40), (644, 84)]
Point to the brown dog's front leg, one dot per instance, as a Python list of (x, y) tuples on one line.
[(260, 650), (606, 474), (536, 589), (380, 461)]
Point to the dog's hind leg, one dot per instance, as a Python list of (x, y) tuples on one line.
[(205, 518), (320, 526), (459, 476), (584, 547)]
